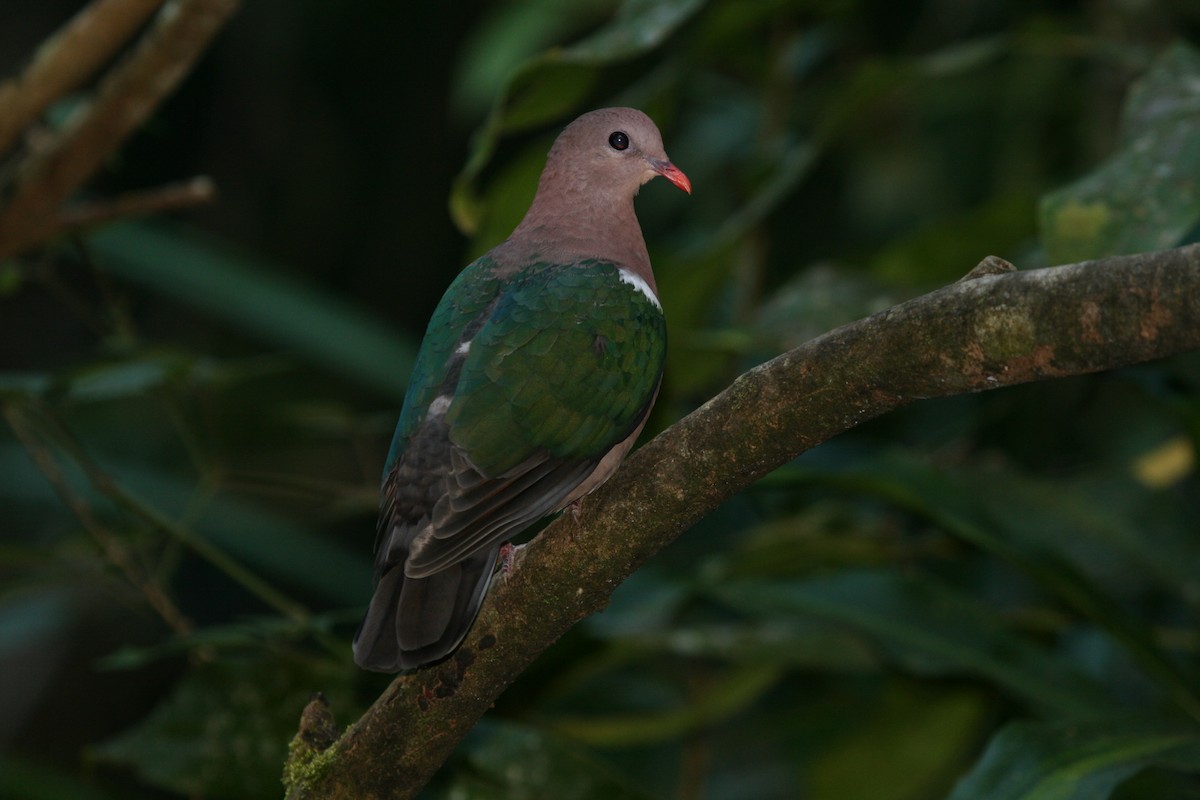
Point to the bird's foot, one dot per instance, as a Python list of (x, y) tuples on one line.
[(576, 508), (510, 556)]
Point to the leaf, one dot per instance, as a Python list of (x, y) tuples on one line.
[(805, 644), (149, 369), (1064, 761), (26, 779), (549, 86), (244, 634), (1122, 534), (1146, 196), (282, 311), (23, 384), (513, 34), (639, 26), (913, 738), (224, 728), (518, 762), (252, 534), (1011, 525), (730, 693), (273, 545), (929, 627), (1167, 464), (817, 300), (941, 250), (26, 617)]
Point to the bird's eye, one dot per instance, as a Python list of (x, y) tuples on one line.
[(619, 140)]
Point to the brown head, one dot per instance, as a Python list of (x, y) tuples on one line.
[(584, 203)]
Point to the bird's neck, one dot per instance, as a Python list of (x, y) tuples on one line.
[(575, 226)]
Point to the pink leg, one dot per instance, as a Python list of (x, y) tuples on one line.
[(509, 553)]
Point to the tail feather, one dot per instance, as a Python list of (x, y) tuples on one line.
[(416, 621)]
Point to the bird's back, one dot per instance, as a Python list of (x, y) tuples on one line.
[(525, 381)]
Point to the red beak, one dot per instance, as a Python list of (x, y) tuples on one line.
[(672, 173)]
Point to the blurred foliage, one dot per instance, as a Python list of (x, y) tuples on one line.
[(985, 597)]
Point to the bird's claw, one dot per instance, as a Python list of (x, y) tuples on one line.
[(510, 554)]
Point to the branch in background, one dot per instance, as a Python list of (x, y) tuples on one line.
[(173, 196), (67, 60), (110, 545), (128, 502), (49, 175), (992, 329)]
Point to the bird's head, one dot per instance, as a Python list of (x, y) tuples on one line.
[(614, 148)]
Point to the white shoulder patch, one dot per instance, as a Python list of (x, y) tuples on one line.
[(438, 406), (636, 282)]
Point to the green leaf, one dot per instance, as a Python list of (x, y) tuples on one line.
[(804, 644), (639, 26), (271, 544), (511, 35), (1064, 761), (240, 636), (1020, 533), (1146, 197), (26, 617), (24, 384), (223, 730), (518, 762), (26, 779), (282, 311), (941, 250), (915, 736), (248, 533), (11, 278), (140, 373), (930, 628), (814, 301), (549, 86), (1121, 532), (730, 693)]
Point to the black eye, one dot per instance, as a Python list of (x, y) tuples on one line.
[(619, 140)]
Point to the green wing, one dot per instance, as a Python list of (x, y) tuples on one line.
[(563, 366), (566, 364)]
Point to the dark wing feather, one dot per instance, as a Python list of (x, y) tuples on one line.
[(495, 511)]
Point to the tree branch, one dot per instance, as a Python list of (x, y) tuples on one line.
[(169, 197), (44, 179), (68, 59), (989, 330)]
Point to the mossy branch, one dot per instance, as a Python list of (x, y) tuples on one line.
[(994, 328)]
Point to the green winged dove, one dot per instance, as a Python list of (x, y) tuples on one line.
[(535, 376)]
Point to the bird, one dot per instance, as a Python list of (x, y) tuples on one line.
[(537, 372)]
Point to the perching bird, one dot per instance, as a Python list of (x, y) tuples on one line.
[(536, 374)]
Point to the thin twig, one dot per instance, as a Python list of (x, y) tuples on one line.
[(173, 196), (131, 503), (110, 544)]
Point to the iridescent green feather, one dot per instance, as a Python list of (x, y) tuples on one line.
[(567, 361), (563, 358)]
